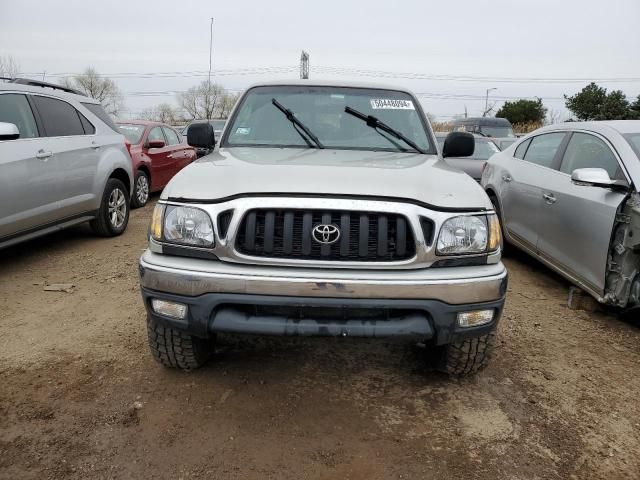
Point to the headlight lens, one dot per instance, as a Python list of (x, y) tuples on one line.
[(188, 225), (155, 229), (464, 234)]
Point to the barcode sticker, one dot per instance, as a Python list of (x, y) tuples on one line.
[(388, 103)]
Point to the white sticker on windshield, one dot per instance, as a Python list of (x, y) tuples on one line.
[(381, 103), (243, 131)]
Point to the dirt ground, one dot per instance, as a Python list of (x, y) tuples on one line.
[(81, 397)]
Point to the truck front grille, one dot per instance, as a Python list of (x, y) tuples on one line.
[(288, 233)]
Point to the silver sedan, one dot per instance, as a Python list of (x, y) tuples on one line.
[(568, 195)]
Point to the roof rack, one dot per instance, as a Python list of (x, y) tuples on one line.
[(38, 83)]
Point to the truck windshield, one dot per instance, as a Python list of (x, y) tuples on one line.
[(258, 122)]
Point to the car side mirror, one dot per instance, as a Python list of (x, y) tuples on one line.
[(155, 144), (9, 131), (458, 144), (592, 177), (201, 135)]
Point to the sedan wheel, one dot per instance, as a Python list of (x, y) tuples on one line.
[(141, 191)]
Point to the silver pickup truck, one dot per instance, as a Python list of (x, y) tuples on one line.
[(325, 210)]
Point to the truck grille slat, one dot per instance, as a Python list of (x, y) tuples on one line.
[(383, 235), (401, 236), (287, 241), (269, 230), (363, 244), (287, 233)]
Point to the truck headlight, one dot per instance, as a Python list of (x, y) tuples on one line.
[(188, 226), (463, 234)]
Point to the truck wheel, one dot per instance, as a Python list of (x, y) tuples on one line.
[(140, 190), (467, 356), (113, 215), (176, 349)]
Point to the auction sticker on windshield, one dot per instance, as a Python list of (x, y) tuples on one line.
[(388, 103)]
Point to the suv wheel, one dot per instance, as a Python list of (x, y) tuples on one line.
[(177, 349), (467, 356), (141, 190), (113, 215)]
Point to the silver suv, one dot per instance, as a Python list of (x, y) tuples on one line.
[(326, 210), (63, 162)]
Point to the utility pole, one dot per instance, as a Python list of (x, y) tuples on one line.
[(304, 65), (210, 63), (486, 102)]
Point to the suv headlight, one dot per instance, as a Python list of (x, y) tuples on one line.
[(183, 225), (468, 234)]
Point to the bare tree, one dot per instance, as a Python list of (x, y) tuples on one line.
[(226, 105), (103, 89), (8, 66), (164, 113), (205, 101)]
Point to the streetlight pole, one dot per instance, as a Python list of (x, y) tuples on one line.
[(210, 63), (486, 101)]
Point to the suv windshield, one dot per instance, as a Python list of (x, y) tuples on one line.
[(258, 122), (496, 131)]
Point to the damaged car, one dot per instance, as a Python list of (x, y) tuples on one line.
[(568, 195)]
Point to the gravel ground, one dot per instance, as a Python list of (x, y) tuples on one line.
[(81, 397)]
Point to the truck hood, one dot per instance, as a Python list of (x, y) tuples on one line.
[(231, 172)]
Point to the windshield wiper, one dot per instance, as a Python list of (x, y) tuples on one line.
[(376, 124), (297, 123)]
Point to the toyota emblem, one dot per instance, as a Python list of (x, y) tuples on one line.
[(326, 234)]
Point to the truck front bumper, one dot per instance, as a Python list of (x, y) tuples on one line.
[(222, 296)]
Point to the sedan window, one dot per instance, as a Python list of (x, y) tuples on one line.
[(156, 134), (172, 136), (520, 149), (543, 148), (588, 151)]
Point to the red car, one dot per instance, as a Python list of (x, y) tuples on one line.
[(158, 152)]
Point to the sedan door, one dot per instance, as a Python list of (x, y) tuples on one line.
[(161, 158), (181, 153), (522, 186), (578, 220)]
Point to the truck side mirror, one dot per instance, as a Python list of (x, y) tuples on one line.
[(458, 144), (201, 135)]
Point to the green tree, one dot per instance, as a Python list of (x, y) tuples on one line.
[(635, 108), (594, 103), (523, 111)]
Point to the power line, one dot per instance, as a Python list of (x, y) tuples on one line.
[(465, 78)]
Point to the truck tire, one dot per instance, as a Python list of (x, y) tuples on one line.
[(467, 356), (177, 349), (113, 215)]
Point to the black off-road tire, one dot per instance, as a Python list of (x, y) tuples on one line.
[(140, 198), (467, 356), (102, 225), (177, 349)]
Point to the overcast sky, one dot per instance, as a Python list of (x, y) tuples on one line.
[(560, 39)]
